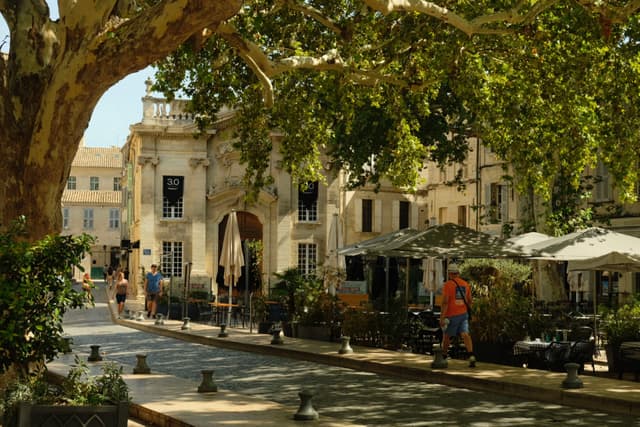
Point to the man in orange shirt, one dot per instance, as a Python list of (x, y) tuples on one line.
[(454, 316)]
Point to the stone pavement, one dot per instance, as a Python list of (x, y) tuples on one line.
[(192, 408)]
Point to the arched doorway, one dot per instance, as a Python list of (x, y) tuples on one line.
[(251, 278)]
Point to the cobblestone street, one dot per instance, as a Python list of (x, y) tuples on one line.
[(340, 393)]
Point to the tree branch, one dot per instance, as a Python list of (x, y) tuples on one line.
[(516, 15), (155, 32), (267, 69), (616, 14), (314, 13), (475, 26)]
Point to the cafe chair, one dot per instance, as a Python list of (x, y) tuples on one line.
[(582, 353), (581, 333), (556, 355)]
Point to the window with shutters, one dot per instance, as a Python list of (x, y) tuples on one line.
[(603, 190), (94, 183), (65, 218), (87, 221), (442, 215), (367, 215), (462, 215), (498, 204), (404, 214), (71, 183), (114, 218)]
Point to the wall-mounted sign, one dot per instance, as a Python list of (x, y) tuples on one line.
[(309, 194), (172, 188), (146, 252)]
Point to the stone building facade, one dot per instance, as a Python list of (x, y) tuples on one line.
[(186, 228), (91, 203), (296, 227)]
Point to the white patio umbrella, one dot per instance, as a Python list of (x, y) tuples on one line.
[(453, 241), (592, 247), (231, 257), (528, 238), (585, 244), (378, 245), (612, 261), (333, 258), (441, 241)]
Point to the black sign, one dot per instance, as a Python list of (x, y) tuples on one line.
[(308, 195), (172, 188)]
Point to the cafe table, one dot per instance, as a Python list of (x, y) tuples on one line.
[(221, 310)]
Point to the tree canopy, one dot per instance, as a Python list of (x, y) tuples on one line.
[(550, 86)]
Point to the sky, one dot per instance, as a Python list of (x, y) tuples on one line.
[(118, 108)]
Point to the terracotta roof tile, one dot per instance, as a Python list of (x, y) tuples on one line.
[(98, 157), (88, 197)]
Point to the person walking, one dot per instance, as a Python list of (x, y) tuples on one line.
[(153, 289), (454, 313), (87, 284), (122, 286), (110, 277)]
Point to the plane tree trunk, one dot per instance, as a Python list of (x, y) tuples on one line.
[(54, 75)]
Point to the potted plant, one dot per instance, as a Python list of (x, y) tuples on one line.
[(321, 316), (291, 292), (502, 313), (103, 399), (619, 326), (259, 311)]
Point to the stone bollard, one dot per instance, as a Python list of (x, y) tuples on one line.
[(572, 380), (141, 366), (95, 354), (159, 319), (345, 348), (139, 316), (66, 344), (223, 331), (277, 337), (186, 325), (305, 411), (439, 362), (207, 384)]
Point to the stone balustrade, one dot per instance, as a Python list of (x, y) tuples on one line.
[(159, 109)]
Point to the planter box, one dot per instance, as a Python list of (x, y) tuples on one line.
[(264, 327), (57, 415), (499, 353), (314, 332), (195, 312)]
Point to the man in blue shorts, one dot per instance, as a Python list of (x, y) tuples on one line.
[(454, 316), (153, 289)]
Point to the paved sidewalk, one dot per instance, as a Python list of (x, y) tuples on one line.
[(607, 394), (621, 397), (150, 405)]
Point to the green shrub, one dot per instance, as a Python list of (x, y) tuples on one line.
[(501, 311), (78, 388), (622, 324), (35, 292)]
